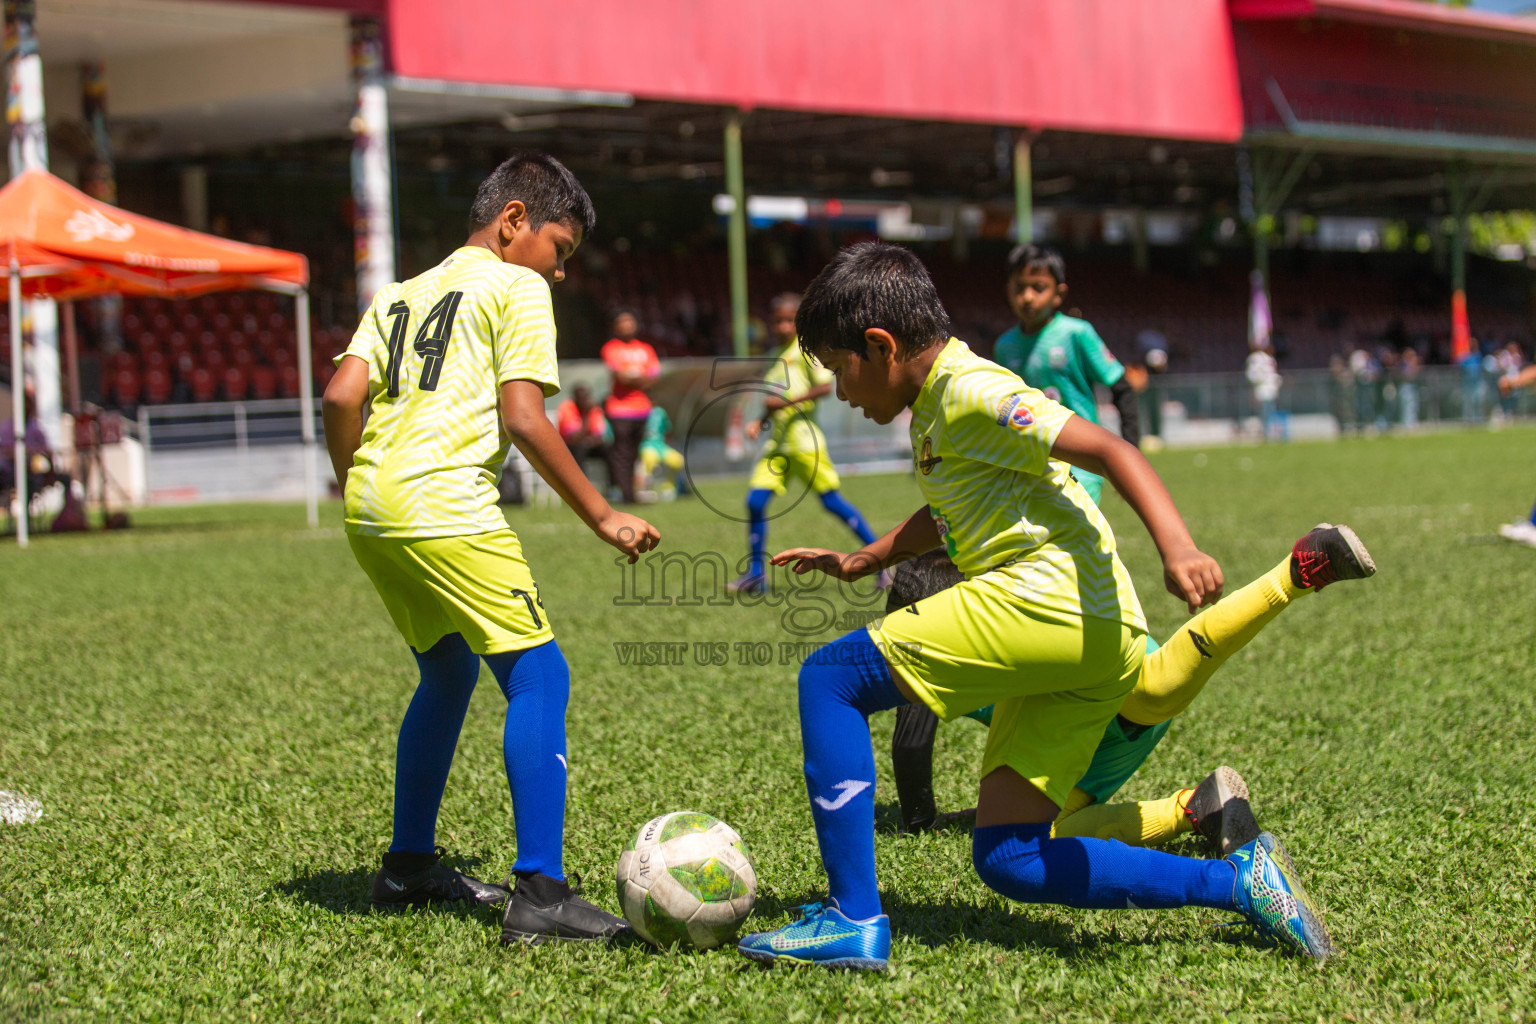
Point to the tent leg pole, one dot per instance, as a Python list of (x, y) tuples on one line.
[(307, 408), (72, 356), (18, 406)]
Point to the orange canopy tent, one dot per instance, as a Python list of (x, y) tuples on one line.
[(59, 243)]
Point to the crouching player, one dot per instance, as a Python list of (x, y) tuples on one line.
[(1171, 677), (1046, 626), (420, 491)]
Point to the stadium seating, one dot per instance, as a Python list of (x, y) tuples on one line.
[(239, 345)]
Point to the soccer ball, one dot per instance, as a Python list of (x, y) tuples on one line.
[(687, 879)]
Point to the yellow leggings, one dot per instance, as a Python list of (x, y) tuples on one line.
[(1171, 678)]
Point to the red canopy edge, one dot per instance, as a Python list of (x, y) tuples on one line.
[(70, 246), (1137, 67)]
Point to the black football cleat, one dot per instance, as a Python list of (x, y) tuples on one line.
[(543, 910), (437, 883), (1328, 554)]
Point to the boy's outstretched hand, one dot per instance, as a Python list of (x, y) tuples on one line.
[(834, 563), (1193, 576), (630, 534)]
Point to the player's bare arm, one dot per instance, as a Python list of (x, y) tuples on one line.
[(522, 414), (773, 403), (1188, 572), (916, 534), (1525, 378), (341, 409)]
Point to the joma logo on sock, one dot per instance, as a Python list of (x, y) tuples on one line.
[(850, 789)]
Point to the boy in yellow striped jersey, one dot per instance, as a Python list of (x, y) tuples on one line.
[(452, 367), (1046, 626)]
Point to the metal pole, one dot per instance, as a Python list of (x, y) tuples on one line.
[(18, 405), (307, 409), (1461, 330), (28, 150), (736, 237), (72, 357), (1023, 189), (373, 229)]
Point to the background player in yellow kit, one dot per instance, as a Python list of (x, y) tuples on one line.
[(1047, 626), (452, 367), (797, 449)]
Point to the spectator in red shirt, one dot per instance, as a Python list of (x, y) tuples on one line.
[(583, 426), (635, 368)]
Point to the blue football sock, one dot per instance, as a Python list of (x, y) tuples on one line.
[(834, 502), (1024, 863), (428, 736), (840, 686), (537, 685), (757, 528), (1533, 515)]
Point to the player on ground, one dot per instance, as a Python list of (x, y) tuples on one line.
[(1046, 626), (1218, 808), (662, 463), (796, 447), (451, 367)]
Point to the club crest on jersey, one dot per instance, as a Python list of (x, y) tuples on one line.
[(926, 460), (1057, 357), (1021, 418)]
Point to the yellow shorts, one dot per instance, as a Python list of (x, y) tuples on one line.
[(651, 457), (478, 586), (1057, 679), (814, 467)]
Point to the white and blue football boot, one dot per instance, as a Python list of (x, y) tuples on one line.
[(1269, 894), (824, 936)]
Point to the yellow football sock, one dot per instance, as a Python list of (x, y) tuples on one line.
[(1147, 823), (1173, 675)]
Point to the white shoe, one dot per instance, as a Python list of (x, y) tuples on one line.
[(1523, 532)]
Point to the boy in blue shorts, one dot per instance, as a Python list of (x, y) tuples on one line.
[(452, 367), (797, 449), (1060, 355), (1046, 626)]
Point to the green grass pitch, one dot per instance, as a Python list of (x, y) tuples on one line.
[(206, 708)]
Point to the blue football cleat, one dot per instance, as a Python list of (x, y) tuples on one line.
[(753, 584), (824, 936), (1270, 896)]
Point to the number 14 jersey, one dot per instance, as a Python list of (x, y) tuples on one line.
[(438, 349)]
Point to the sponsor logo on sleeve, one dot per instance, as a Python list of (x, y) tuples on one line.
[(1005, 409), (926, 459)]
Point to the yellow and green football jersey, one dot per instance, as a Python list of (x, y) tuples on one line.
[(438, 348), (794, 427), (981, 445)]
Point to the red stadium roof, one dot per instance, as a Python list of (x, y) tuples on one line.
[(1405, 14), (1107, 66)]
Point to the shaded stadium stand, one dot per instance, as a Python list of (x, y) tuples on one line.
[(237, 346)]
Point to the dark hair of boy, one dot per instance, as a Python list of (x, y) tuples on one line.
[(1043, 256), (545, 187), (921, 577), (872, 284)]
